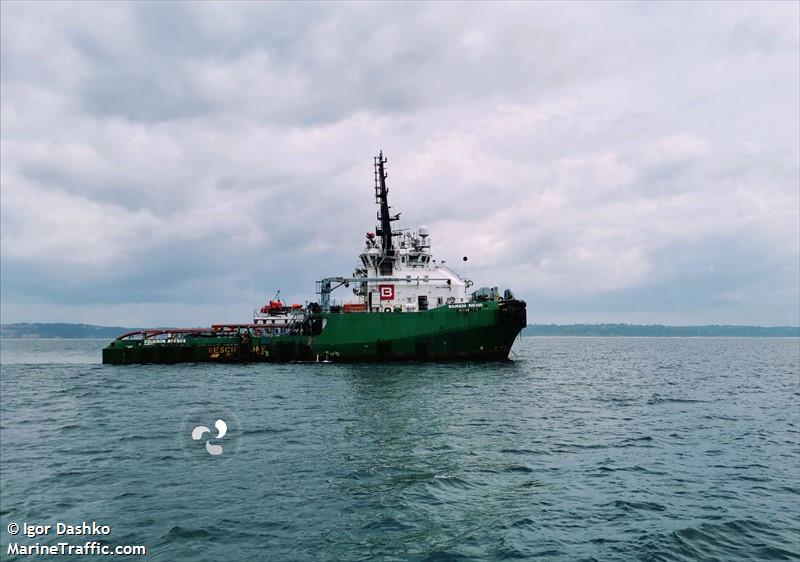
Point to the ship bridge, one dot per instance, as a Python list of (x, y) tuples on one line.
[(396, 269)]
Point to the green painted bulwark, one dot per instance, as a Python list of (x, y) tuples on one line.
[(484, 330)]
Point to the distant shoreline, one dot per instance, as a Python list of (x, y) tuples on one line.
[(90, 331), (660, 330), (60, 331)]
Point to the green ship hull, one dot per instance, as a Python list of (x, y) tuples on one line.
[(464, 331)]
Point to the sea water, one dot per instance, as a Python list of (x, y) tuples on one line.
[(577, 449)]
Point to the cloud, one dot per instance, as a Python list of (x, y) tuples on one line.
[(165, 162)]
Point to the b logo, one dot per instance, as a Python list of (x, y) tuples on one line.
[(386, 292)]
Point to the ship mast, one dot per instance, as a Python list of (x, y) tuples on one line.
[(384, 231)]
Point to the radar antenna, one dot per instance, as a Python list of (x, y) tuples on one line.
[(384, 231)]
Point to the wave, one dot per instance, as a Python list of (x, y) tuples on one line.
[(518, 469), (522, 451), (658, 399), (635, 468), (178, 532), (738, 539), (636, 505)]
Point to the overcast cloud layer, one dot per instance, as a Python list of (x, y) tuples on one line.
[(170, 164)]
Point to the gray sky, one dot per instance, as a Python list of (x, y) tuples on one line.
[(170, 164)]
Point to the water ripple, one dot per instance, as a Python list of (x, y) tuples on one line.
[(581, 449)]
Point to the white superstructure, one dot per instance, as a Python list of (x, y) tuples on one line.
[(407, 277), (397, 272)]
